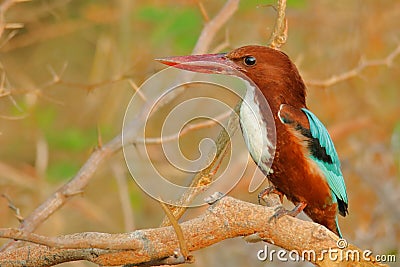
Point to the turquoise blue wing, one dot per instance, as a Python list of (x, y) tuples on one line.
[(324, 154)]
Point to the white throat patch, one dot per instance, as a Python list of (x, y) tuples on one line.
[(255, 131)]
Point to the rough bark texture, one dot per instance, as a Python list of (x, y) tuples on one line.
[(225, 219)]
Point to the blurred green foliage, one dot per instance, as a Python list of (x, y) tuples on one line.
[(296, 4), (72, 139), (62, 170), (171, 26)]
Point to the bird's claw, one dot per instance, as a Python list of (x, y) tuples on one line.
[(267, 191), (280, 211)]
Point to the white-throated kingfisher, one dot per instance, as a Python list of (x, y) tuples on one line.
[(306, 167)]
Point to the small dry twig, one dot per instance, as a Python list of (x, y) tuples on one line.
[(137, 90), (4, 6), (187, 129), (178, 230), (362, 64), (203, 11), (123, 189), (13, 208), (226, 43)]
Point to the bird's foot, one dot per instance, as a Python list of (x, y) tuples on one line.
[(267, 191), (281, 211)]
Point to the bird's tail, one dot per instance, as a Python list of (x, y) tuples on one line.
[(338, 232)]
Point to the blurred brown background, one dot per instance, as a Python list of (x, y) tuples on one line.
[(49, 128)]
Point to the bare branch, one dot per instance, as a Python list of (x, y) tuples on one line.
[(58, 80), (203, 11), (13, 118), (178, 230), (223, 45), (362, 64), (187, 129), (279, 34), (123, 189), (9, 36), (13, 208), (136, 88), (77, 184), (213, 26), (4, 6), (227, 218)]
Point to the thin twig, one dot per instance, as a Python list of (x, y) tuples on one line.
[(137, 90), (226, 43), (213, 26), (14, 118), (4, 6), (187, 129), (362, 64), (178, 230), (58, 80), (123, 190), (13, 208), (203, 11), (99, 137)]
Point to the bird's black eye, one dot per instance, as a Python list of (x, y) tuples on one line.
[(249, 61)]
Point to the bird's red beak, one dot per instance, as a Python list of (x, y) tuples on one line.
[(207, 63)]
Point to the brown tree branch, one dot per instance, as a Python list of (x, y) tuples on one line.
[(77, 184), (227, 218), (279, 34)]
